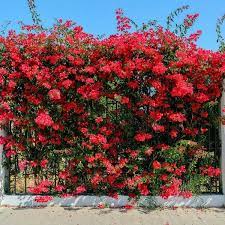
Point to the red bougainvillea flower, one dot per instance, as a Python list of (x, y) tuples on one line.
[(97, 139), (101, 205), (190, 19), (158, 128), (149, 151), (156, 165), (67, 83), (142, 137), (128, 206), (133, 85), (143, 188), (123, 23), (90, 91), (211, 171), (125, 100), (43, 119), (66, 195), (43, 163), (114, 195), (159, 69), (54, 94), (2, 140), (60, 188), (182, 87), (173, 134), (80, 189), (186, 194), (177, 117), (164, 177), (172, 189), (201, 97), (99, 119), (43, 199), (156, 115), (42, 187), (23, 164)]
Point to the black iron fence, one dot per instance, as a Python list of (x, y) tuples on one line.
[(18, 180)]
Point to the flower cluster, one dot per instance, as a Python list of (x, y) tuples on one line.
[(115, 110), (123, 23)]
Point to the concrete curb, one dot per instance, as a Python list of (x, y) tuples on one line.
[(205, 201)]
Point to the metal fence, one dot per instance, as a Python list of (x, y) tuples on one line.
[(18, 182), (213, 144)]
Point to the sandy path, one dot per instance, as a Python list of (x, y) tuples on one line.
[(90, 216)]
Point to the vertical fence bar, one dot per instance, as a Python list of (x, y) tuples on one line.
[(2, 133), (4, 178), (222, 158)]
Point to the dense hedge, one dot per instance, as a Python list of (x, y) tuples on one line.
[(56, 88)]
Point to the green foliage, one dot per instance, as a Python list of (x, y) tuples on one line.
[(195, 183), (3, 27), (220, 38), (183, 28), (150, 24), (33, 10), (173, 15)]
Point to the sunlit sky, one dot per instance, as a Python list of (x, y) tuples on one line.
[(98, 16)]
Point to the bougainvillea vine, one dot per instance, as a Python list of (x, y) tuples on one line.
[(55, 89)]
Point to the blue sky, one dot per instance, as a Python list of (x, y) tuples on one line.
[(98, 16)]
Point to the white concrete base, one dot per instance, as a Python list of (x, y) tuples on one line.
[(93, 201)]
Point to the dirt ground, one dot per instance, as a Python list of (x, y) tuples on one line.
[(92, 216)]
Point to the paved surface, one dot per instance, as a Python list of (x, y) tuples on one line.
[(89, 216)]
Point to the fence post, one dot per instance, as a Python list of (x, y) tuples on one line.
[(222, 158), (2, 170)]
